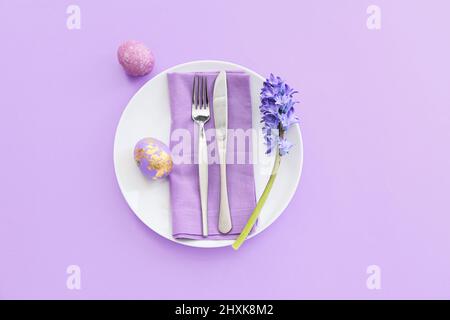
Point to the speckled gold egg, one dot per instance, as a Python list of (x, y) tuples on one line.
[(153, 158)]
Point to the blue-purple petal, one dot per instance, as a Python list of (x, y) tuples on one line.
[(277, 111)]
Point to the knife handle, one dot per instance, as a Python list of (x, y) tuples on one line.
[(203, 177), (225, 225)]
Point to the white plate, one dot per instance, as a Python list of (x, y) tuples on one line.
[(148, 115)]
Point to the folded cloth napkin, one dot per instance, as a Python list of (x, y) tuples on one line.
[(184, 181)]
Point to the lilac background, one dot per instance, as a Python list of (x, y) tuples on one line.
[(375, 116)]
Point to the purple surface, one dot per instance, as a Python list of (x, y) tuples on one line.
[(375, 118), (184, 181)]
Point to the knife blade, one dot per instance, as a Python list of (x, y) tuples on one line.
[(220, 109), (220, 104)]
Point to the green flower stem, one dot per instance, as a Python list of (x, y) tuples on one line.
[(255, 214)]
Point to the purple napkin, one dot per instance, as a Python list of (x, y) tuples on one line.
[(184, 181)]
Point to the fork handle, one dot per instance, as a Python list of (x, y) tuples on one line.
[(203, 177)]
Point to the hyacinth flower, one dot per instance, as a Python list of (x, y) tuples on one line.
[(277, 116)]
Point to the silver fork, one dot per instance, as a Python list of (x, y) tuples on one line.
[(200, 114)]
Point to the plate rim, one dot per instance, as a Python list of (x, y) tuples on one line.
[(223, 243)]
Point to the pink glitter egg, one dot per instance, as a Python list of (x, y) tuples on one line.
[(135, 58)]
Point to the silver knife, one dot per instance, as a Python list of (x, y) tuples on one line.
[(220, 108)]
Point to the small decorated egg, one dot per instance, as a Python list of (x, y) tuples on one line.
[(153, 158), (135, 58)]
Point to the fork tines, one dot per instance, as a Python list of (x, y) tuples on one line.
[(199, 92), (200, 100)]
